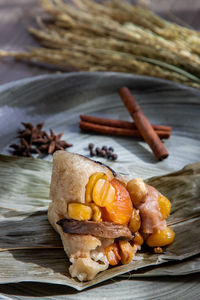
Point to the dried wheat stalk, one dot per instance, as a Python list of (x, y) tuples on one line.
[(115, 36)]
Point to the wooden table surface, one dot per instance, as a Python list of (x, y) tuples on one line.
[(17, 15)]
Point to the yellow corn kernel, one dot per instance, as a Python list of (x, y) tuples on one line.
[(90, 185), (79, 211), (96, 213), (164, 205), (137, 190), (126, 252), (138, 239), (161, 238), (103, 193), (135, 221)]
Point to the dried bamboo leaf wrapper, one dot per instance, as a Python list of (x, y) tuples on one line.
[(187, 241), (185, 203), (187, 266), (26, 187), (36, 232), (32, 228), (49, 263)]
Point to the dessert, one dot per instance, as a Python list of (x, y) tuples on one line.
[(102, 217)]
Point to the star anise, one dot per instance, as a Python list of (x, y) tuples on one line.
[(51, 143), (31, 132), (35, 140), (24, 149)]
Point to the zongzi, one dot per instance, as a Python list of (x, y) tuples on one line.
[(102, 217)]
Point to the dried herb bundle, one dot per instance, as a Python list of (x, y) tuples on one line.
[(114, 36)]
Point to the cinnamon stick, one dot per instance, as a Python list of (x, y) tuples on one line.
[(117, 131), (119, 123), (148, 133)]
